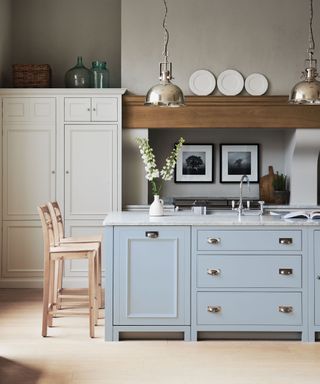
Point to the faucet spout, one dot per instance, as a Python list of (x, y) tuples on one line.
[(243, 178)]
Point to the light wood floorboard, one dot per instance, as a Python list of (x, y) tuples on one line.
[(69, 356)]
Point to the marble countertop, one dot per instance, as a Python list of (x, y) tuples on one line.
[(216, 218)]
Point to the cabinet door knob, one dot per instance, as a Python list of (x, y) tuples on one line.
[(213, 271), (213, 240), (53, 172), (285, 271), (94, 109), (285, 308), (285, 240), (318, 277), (152, 234), (88, 109), (67, 172), (214, 309)]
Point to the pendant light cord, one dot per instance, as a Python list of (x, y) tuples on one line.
[(311, 37), (166, 32)]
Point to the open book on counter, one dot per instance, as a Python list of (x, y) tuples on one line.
[(311, 215)]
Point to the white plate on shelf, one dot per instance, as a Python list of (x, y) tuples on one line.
[(256, 84), (230, 82), (202, 82)]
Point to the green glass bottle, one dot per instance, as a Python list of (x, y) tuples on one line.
[(99, 74), (78, 76)]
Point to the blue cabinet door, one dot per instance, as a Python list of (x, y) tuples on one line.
[(316, 246), (151, 275)]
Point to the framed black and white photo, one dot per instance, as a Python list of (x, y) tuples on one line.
[(237, 160), (194, 164)]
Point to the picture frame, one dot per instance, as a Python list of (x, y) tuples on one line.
[(195, 164), (237, 160)]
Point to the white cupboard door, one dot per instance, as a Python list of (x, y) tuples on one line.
[(22, 254), (91, 179), (104, 109), (77, 109), (28, 109), (28, 169)]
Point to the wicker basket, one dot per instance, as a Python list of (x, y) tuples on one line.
[(31, 75)]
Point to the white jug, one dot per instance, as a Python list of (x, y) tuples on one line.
[(156, 208)]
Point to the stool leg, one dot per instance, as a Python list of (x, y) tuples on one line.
[(45, 300), (59, 282), (51, 304)]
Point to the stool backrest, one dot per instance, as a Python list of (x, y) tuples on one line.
[(47, 227), (57, 220)]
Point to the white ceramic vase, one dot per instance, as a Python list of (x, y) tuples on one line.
[(156, 208)]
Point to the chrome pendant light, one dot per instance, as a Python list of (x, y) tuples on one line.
[(308, 90), (165, 94)]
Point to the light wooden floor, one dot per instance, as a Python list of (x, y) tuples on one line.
[(69, 356)]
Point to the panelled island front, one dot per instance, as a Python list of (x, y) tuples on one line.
[(212, 273)]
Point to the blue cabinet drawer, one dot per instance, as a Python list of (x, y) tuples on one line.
[(242, 271), (248, 240), (249, 308)]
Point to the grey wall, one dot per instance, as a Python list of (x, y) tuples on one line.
[(266, 36), (5, 41), (55, 32)]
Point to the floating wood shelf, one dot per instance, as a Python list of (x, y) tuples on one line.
[(222, 112)]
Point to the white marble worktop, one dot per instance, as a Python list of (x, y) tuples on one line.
[(217, 218)]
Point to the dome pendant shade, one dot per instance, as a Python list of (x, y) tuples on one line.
[(308, 90), (165, 94)]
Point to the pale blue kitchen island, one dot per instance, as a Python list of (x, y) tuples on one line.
[(213, 273)]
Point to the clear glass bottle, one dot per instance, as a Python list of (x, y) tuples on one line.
[(78, 76), (99, 74)]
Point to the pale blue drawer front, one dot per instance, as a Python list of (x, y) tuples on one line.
[(317, 273), (259, 271), (152, 276), (248, 240), (248, 308)]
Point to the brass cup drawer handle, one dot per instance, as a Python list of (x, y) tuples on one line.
[(213, 272), (213, 240), (285, 271), (152, 234), (285, 308), (214, 309), (285, 240)]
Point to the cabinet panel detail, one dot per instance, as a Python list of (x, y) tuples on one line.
[(22, 249), (29, 109), (152, 277), (104, 109), (28, 170), (249, 308), (252, 240), (90, 170), (248, 271), (316, 277), (77, 109)]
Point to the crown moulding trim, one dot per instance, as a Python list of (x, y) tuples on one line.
[(221, 112)]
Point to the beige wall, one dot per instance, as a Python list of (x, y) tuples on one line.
[(267, 36), (57, 31)]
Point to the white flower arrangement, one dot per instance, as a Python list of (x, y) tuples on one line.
[(152, 172)]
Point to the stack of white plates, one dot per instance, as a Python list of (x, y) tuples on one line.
[(230, 83)]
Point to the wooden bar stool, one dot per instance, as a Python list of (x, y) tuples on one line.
[(53, 254), (58, 228)]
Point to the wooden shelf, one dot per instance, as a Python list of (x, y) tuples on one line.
[(222, 112)]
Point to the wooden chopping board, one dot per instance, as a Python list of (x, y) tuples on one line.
[(266, 187)]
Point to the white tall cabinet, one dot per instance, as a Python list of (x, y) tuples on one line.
[(57, 144)]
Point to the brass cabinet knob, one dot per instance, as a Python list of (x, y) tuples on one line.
[(285, 240), (285, 271), (285, 308), (213, 240), (213, 271), (214, 309)]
